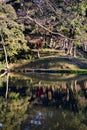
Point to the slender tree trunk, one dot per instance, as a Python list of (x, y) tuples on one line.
[(38, 54), (74, 51), (7, 66), (5, 52), (6, 94)]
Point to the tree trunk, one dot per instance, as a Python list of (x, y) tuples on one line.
[(6, 94), (74, 51), (7, 66), (38, 54), (6, 59)]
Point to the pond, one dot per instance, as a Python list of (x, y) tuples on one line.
[(36, 101)]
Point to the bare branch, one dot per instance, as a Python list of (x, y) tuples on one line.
[(54, 33), (3, 74)]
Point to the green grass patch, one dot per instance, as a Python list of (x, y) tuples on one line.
[(53, 65), (79, 71)]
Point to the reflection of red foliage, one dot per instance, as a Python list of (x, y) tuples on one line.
[(40, 92)]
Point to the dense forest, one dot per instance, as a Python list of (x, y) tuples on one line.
[(33, 24), (48, 37)]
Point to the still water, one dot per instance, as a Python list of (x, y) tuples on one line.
[(43, 102)]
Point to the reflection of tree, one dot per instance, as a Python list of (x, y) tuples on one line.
[(2, 80), (57, 119), (64, 95), (13, 106), (65, 120), (14, 113), (7, 85)]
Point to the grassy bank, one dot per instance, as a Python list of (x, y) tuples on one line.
[(52, 65), (78, 71)]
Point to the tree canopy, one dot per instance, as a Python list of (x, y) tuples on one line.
[(11, 31), (60, 19)]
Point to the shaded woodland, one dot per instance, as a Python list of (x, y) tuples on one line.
[(61, 24)]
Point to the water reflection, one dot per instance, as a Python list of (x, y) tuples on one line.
[(31, 103), (70, 95)]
